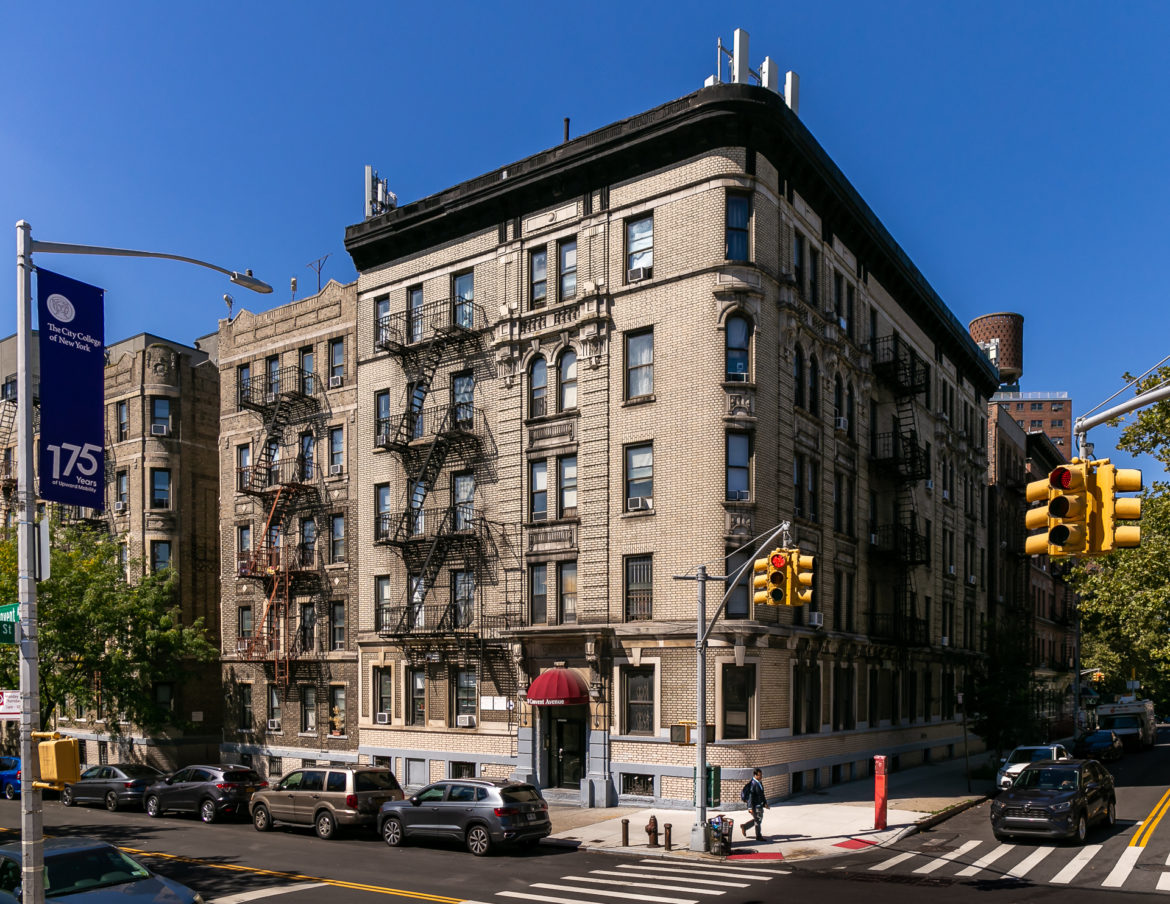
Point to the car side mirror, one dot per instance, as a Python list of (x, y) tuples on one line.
[(1092, 786), (414, 800), (170, 779), (1002, 760)]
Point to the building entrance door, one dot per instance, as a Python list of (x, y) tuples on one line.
[(567, 756)]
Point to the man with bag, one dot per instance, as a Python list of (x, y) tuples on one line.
[(753, 795)]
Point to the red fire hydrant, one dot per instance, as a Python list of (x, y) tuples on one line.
[(652, 832)]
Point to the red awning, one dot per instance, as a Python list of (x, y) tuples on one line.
[(558, 687)]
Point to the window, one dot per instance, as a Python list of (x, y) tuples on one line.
[(798, 468), (463, 597), (336, 449), (638, 700), (640, 245), (739, 693), (243, 539), (308, 541), (851, 430), (308, 627), (466, 691), (336, 360), (123, 415), (567, 269), (463, 500), (272, 367), (337, 709), (247, 717), (567, 382), (274, 703), (538, 279), (160, 417), (567, 490), (806, 699), (639, 595), (307, 455), (567, 585), (382, 416), (463, 399), (164, 697), (739, 211), (384, 691), (416, 495), (160, 488), (414, 313), (160, 555), (244, 621), (273, 463), (308, 708), (337, 625), (538, 593), (739, 454), (308, 378), (537, 388), (798, 261), (336, 539), (243, 466), (814, 265), (737, 348), (382, 511), (416, 707), (382, 615), (814, 385), (814, 490), (381, 320), (639, 364), (122, 487), (798, 396), (538, 491), (464, 292), (639, 476), (844, 698)]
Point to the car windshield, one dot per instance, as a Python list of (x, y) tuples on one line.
[(135, 770), (241, 776), (1028, 754), (1119, 721), (375, 781), (518, 794), (1051, 779), (77, 871), (1098, 737)]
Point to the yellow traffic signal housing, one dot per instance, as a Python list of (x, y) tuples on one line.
[(1071, 509), (1111, 481), (760, 583), (780, 566), (1037, 518), (800, 578), (60, 761)]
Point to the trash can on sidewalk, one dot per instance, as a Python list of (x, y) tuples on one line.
[(720, 830)]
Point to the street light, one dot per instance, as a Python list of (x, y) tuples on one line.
[(31, 816)]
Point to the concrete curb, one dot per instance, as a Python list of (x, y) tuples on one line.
[(943, 815)]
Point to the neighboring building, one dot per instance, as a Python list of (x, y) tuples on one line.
[(1049, 413), (160, 461), (600, 367), (287, 456)]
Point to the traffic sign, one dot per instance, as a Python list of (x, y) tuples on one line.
[(9, 618)]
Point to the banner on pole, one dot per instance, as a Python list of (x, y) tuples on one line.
[(71, 317), (9, 706)]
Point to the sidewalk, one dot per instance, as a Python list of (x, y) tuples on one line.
[(834, 820)]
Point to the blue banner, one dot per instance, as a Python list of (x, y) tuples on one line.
[(71, 317)]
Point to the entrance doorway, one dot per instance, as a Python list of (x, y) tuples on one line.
[(567, 753)]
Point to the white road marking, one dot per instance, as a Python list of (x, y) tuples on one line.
[(1029, 863), (628, 884), (985, 861), (893, 861), (267, 892), (1074, 866), (939, 862), (695, 871), (614, 872), (626, 895), (1124, 867)]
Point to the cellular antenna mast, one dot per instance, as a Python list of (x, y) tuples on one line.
[(317, 265)]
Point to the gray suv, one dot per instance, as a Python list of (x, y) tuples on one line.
[(326, 798), (480, 812)]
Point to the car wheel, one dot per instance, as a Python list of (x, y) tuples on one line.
[(1111, 814), (479, 842), (261, 819), (67, 797), (207, 811), (392, 832), (111, 801), (1081, 831), (10, 792), (154, 806), (326, 825)]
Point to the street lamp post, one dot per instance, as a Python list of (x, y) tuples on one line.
[(31, 813)]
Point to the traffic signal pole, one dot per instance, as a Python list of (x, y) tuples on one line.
[(1083, 425)]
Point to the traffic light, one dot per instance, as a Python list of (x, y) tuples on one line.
[(800, 578), (760, 583), (1111, 481), (1066, 519), (771, 579)]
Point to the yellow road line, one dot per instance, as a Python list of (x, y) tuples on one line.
[(1151, 822)]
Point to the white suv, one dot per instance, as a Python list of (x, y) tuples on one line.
[(1013, 764)]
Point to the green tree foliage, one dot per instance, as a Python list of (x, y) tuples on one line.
[(1001, 693), (97, 633)]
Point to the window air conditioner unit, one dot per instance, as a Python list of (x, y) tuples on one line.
[(340, 645), (930, 485), (465, 721), (946, 494), (951, 570), (944, 641), (737, 378), (873, 538), (970, 579), (119, 506), (843, 323), (640, 504), (270, 397), (241, 644), (159, 430), (816, 619), (737, 495), (842, 423), (334, 470), (637, 274), (382, 718), (383, 439), (274, 724), (336, 382)]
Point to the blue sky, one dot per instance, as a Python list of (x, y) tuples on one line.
[(1017, 151)]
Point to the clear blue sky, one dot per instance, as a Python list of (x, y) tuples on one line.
[(1017, 151)]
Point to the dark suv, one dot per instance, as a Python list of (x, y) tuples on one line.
[(1056, 799), (480, 812), (210, 791)]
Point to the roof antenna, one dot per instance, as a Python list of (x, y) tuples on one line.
[(317, 265)]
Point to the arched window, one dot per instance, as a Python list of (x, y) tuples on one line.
[(814, 383), (738, 345), (838, 402), (850, 405), (798, 376), (537, 388), (567, 384)]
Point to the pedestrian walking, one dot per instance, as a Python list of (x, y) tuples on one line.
[(753, 795)]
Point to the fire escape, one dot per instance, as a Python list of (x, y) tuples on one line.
[(8, 464), (902, 458), (284, 478), (432, 439)]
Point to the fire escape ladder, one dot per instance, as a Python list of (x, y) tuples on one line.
[(7, 420), (424, 579)]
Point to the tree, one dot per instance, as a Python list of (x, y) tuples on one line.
[(103, 640)]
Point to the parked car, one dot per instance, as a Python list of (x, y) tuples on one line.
[(326, 798), (210, 791), (1101, 745), (10, 776), (115, 785), (1013, 764), (479, 812), (1055, 799), (85, 869)]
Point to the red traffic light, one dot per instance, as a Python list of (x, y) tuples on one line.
[(1061, 478), (779, 560)]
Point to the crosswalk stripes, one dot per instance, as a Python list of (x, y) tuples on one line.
[(1124, 867), (1025, 866), (938, 862), (985, 861), (1074, 866)]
